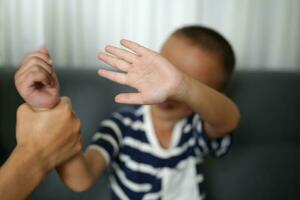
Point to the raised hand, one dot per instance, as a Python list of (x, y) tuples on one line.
[(155, 78), (36, 80)]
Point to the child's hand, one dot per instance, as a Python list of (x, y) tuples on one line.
[(155, 78), (36, 80)]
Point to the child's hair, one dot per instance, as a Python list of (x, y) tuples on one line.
[(213, 41)]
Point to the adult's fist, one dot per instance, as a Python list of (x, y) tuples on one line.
[(53, 135)]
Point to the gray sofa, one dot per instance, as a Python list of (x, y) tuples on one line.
[(264, 162)]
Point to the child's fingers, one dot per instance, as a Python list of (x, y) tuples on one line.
[(114, 62), (121, 53), (38, 69), (40, 55), (117, 77), (135, 47), (129, 98), (39, 62), (44, 51), (35, 75)]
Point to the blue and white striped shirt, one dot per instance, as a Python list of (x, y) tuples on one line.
[(142, 169)]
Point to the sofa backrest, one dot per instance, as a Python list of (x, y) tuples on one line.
[(262, 164)]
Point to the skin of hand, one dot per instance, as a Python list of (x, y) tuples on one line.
[(36, 80), (155, 78), (40, 147)]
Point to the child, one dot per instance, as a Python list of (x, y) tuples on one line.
[(155, 150)]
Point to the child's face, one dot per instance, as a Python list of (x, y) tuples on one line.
[(194, 61)]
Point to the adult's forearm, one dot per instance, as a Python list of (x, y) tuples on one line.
[(20, 175)]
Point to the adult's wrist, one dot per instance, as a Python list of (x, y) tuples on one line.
[(35, 157)]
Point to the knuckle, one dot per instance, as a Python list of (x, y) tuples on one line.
[(33, 74), (64, 105), (66, 102), (22, 108), (40, 54), (33, 60), (65, 113), (64, 110), (35, 68)]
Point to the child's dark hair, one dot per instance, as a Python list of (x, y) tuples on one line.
[(213, 41)]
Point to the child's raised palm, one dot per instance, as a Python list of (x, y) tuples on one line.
[(155, 78), (36, 81)]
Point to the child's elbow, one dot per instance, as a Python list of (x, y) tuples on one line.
[(230, 126), (234, 122)]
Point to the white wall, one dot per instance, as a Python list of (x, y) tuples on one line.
[(264, 33)]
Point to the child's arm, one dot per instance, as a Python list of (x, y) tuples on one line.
[(157, 80), (220, 114), (80, 172), (37, 83)]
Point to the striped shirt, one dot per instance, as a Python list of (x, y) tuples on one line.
[(142, 169)]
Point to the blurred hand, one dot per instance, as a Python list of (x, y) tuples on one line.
[(53, 135), (155, 78), (36, 80)]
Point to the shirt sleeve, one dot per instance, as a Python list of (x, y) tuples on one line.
[(209, 147), (107, 139)]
